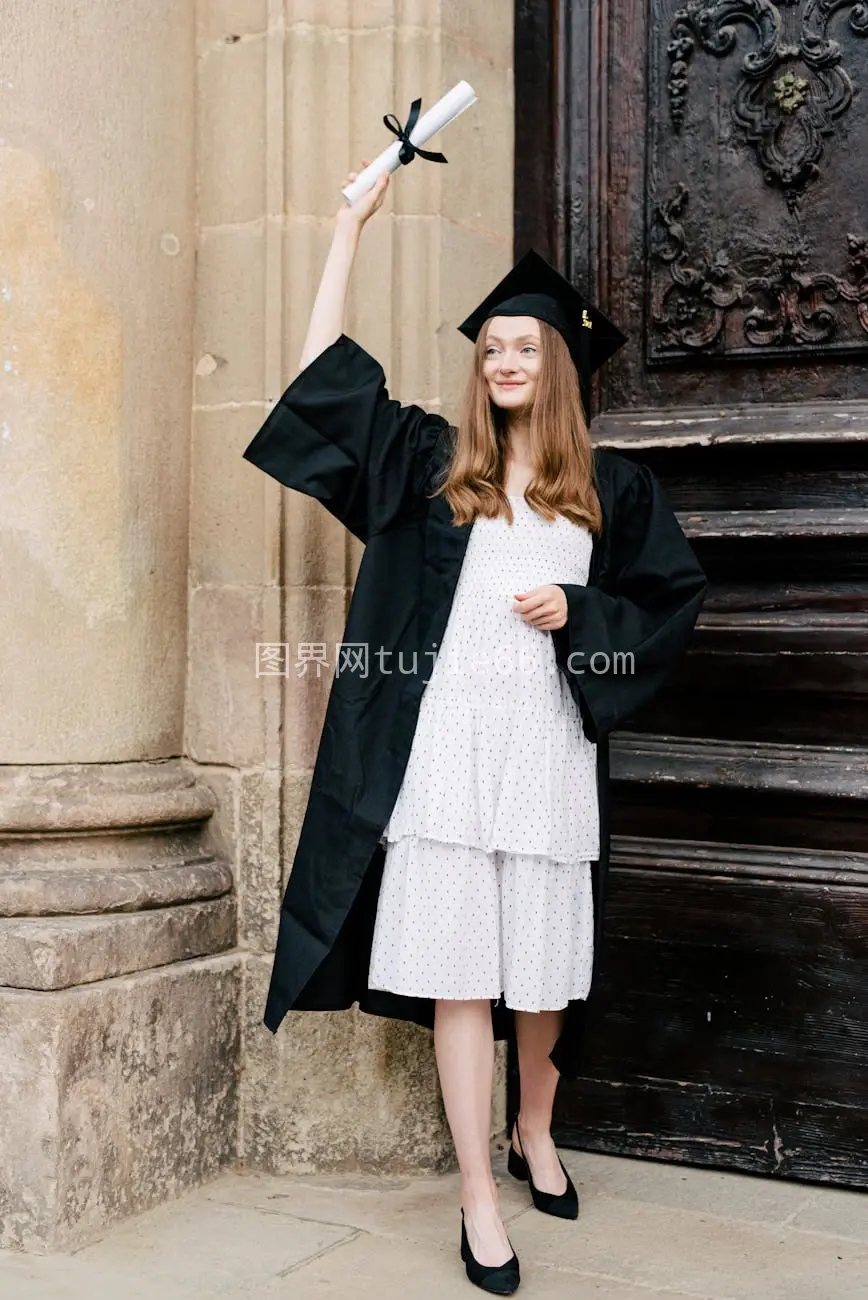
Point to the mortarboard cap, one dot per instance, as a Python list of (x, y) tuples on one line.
[(534, 288)]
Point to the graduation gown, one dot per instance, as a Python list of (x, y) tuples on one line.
[(338, 436)]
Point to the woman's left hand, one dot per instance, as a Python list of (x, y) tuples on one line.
[(543, 607)]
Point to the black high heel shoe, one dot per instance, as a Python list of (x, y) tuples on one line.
[(565, 1205), (499, 1279)]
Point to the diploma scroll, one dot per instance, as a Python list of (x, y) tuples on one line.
[(439, 115)]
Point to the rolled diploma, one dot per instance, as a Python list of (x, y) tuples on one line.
[(439, 115)]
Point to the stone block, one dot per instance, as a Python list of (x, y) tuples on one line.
[(416, 271), (235, 508), (259, 856), (419, 71), (344, 1091), (476, 187), (231, 81), (834, 1211), (231, 713), (315, 546), (347, 15), (403, 1206), (339, 1091), (220, 833), (371, 318), (315, 622), (58, 952), (707, 1255), (229, 336), (485, 30), (229, 20), (295, 792), (320, 107), (246, 832), (200, 1249), (476, 262), (305, 247), (117, 1095)]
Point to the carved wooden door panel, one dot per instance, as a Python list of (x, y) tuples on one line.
[(702, 169)]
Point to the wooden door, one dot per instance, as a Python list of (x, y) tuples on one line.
[(701, 168)]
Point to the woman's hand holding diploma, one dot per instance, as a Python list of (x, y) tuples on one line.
[(356, 214), (335, 433), (327, 316), (543, 607)]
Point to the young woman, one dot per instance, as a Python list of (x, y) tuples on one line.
[(521, 594)]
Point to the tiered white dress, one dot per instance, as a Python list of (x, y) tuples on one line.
[(486, 887)]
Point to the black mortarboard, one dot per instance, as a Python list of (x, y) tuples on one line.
[(534, 288)]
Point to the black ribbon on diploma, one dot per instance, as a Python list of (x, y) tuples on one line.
[(408, 149)]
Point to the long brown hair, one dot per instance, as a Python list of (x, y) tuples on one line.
[(560, 446)]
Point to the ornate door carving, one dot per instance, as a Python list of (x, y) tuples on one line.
[(702, 168)]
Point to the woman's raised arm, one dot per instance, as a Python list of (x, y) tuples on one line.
[(329, 307), (336, 434)]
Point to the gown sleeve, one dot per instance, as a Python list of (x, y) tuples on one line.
[(338, 436), (646, 608)]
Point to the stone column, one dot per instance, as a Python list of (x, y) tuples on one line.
[(291, 96), (118, 1000)]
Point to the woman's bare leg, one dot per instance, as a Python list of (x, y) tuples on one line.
[(536, 1033), (464, 1049)]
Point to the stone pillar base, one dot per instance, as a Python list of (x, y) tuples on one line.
[(116, 1095), (119, 997)]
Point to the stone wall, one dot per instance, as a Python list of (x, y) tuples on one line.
[(162, 238), (119, 974)]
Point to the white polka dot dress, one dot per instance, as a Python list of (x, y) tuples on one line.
[(486, 887)]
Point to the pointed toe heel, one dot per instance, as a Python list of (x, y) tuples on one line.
[(563, 1205), (498, 1279)]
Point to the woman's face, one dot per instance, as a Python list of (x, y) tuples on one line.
[(512, 360)]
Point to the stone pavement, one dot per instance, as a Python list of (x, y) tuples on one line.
[(645, 1230)]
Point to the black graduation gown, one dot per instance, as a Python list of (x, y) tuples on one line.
[(336, 435)]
